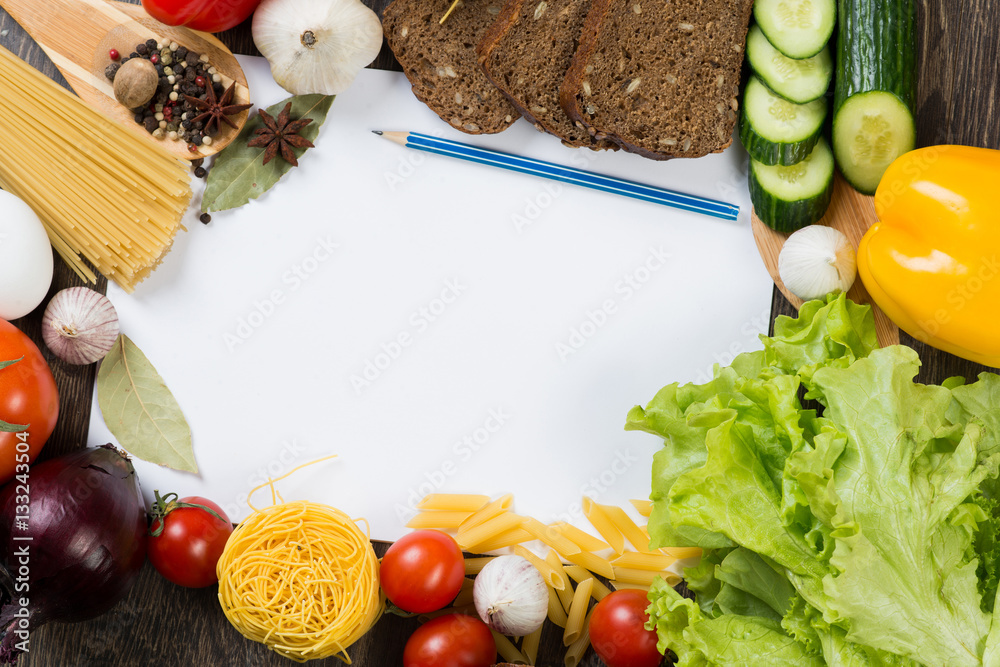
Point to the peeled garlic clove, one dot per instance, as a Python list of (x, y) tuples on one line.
[(817, 260), (316, 46), (80, 326)]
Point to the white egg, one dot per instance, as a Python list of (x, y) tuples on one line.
[(25, 258)]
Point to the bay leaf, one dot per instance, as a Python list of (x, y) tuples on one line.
[(239, 175), (140, 411)]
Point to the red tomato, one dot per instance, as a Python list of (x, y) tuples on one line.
[(28, 397), (205, 15), (423, 571), (188, 549), (454, 640), (618, 633)]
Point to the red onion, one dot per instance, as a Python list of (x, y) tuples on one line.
[(80, 547)]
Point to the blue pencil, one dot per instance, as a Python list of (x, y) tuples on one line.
[(524, 165)]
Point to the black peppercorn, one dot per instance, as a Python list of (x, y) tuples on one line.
[(142, 49), (197, 163), (111, 70), (205, 218), (159, 69), (138, 118), (133, 55), (200, 172), (181, 53), (150, 123), (190, 74), (193, 57), (151, 44), (196, 139)]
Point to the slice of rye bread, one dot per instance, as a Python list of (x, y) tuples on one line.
[(659, 78), (526, 53), (440, 61)]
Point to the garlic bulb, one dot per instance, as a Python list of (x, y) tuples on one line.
[(80, 326), (316, 46), (817, 260), (511, 596)]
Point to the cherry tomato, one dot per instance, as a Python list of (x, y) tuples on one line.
[(454, 640), (28, 397), (206, 15), (618, 632), (188, 548), (422, 571)]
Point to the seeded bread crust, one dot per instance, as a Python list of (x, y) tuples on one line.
[(526, 53), (440, 61), (659, 78)]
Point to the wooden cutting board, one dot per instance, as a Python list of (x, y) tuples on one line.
[(850, 212), (78, 34)]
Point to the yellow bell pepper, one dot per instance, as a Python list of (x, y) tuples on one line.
[(931, 261)]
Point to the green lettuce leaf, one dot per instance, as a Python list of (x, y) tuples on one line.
[(903, 581), (729, 640)]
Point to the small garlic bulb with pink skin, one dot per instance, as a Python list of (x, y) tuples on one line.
[(80, 326)]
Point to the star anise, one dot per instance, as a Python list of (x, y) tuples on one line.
[(216, 110), (278, 136)]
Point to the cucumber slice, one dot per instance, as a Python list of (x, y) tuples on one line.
[(797, 28), (869, 132), (789, 198), (797, 81), (776, 131), (876, 88)]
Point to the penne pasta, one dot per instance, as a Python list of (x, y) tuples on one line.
[(643, 507), (551, 537), (555, 578), (599, 519), (644, 561), (476, 565), (489, 511), (577, 612), (504, 540), (557, 613), (582, 539), (628, 575), (507, 650), (440, 520), (594, 563), (529, 647), (576, 651), (566, 594), (453, 502), (464, 597), (627, 527), (484, 532), (622, 586), (578, 574), (682, 552)]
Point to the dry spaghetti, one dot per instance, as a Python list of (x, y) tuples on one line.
[(301, 578), (102, 192)]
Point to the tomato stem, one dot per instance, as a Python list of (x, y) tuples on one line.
[(5, 364), (6, 427), (162, 506)]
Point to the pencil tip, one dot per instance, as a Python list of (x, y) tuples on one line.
[(378, 132)]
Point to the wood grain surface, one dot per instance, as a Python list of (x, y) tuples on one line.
[(160, 624)]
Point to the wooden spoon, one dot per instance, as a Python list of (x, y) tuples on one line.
[(78, 34), (850, 212)]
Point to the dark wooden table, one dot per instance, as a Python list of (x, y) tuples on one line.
[(160, 624)]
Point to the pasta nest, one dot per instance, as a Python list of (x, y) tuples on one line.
[(302, 579)]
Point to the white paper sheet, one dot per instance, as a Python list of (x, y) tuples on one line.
[(440, 325)]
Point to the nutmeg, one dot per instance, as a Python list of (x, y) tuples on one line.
[(136, 83)]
